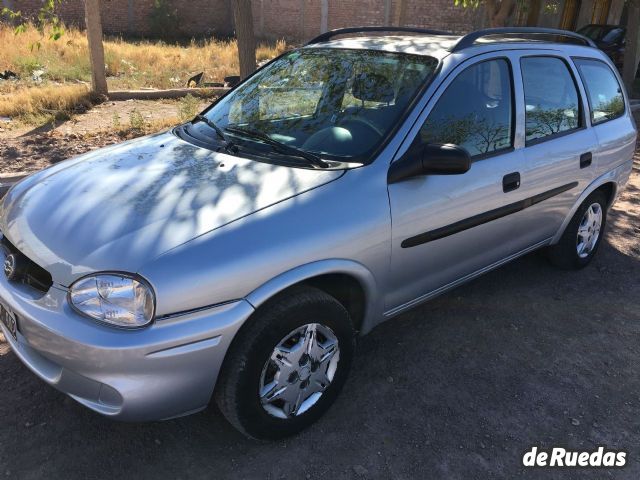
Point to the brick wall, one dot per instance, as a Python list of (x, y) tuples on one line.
[(302, 19), (290, 19), (131, 17)]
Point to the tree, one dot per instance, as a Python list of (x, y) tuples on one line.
[(96, 49), (632, 45), (497, 12), (243, 18), (400, 16), (47, 18)]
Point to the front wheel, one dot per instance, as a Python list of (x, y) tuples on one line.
[(287, 365), (582, 237)]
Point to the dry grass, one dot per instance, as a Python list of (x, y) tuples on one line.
[(41, 104), (63, 69), (130, 64)]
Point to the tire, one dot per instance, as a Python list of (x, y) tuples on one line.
[(249, 364), (565, 254)]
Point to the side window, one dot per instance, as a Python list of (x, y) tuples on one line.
[(550, 96), (475, 111), (604, 92)]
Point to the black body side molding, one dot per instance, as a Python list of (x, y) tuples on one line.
[(485, 217)]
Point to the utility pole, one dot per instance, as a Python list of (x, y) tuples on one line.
[(96, 49)]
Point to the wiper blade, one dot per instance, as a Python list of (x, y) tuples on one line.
[(312, 158), (210, 123)]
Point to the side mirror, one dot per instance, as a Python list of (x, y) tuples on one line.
[(430, 159)]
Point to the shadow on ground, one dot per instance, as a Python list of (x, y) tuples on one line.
[(458, 388)]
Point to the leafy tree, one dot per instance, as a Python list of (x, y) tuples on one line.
[(46, 18), (498, 12)]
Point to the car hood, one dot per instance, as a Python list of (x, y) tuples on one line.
[(119, 207)]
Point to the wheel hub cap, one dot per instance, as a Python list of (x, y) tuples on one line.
[(300, 369), (589, 230)]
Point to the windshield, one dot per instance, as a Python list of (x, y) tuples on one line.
[(338, 104)]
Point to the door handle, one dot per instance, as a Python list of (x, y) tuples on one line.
[(585, 159), (510, 182)]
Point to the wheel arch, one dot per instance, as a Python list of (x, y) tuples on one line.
[(351, 283), (608, 183)]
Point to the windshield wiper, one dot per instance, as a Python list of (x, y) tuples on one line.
[(210, 123), (312, 158)]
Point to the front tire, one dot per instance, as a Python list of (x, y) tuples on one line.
[(287, 365), (582, 237)]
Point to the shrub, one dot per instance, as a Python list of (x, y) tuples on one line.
[(188, 108), (163, 19), (136, 120)]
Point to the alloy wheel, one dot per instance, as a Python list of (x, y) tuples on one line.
[(299, 370)]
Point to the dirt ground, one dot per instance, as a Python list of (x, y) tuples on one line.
[(26, 150), (458, 388)]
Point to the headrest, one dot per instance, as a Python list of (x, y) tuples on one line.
[(411, 80), (372, 87)]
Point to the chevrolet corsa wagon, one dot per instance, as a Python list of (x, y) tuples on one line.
[(239, 256)]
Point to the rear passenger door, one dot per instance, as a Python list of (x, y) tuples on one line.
[(559, 146)]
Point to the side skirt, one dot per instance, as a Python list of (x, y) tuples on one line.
[(439, 291)]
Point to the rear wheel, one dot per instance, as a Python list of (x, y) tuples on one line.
[(582, 237), (286, 367)]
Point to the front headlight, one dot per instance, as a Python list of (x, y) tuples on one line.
[(118, 299)]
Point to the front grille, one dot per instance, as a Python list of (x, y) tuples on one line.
[(32, 274)]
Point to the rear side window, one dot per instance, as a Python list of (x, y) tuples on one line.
[(475, 111), (551, 99), (605, 95)]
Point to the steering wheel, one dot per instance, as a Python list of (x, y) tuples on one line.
[(361, 121)]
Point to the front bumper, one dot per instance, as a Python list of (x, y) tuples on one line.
[(166, 370)]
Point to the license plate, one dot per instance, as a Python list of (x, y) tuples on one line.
[(9, 320)]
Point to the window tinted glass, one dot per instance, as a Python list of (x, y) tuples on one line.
[(613, 35), (550, 96), (605, 95), (474, 112)]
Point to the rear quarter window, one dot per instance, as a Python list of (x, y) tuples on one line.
[(606, 101)]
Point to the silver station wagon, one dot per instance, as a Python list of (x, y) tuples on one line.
[(239, 256)]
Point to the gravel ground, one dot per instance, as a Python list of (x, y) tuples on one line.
[(458, 388), (28, 149)]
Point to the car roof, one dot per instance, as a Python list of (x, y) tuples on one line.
[(437, 46), (440, 46)]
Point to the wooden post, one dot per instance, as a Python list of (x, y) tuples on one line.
[(96, 49), (244, 34)]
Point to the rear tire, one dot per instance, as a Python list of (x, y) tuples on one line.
[(287, 365), (582, 237)]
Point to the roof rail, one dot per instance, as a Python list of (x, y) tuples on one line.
[(323, 37), (469, 39)]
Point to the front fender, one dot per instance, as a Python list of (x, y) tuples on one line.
[(373, 301)]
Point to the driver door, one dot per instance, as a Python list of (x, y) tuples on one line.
[(447, 227)]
